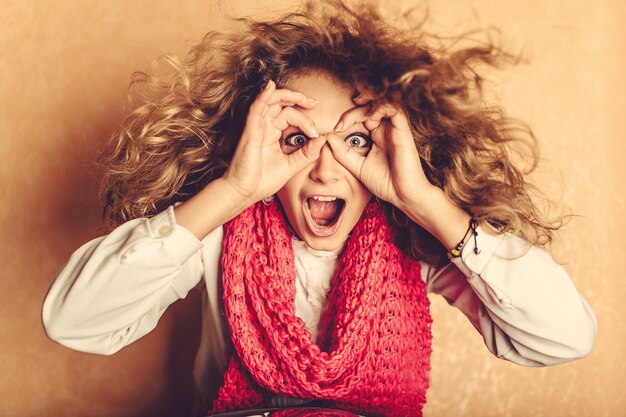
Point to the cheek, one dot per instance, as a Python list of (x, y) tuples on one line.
[(289, 192), (361, 197), (289, 200), (283, 197), (287, 206), (364, 198), (361, 193)]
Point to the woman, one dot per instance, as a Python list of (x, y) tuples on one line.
[(318, 174)]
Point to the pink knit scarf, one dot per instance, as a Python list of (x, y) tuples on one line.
[(373, 353)]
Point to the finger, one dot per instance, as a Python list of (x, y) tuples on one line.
[(393, 133), (310, 152), (352, 117), (346, 156), (261, 101), (393, 141), (289, 116), (379, 136), (372, 125), (255, 118), (287, 97), (389, 111), (361, 101), (363, 98), (274, 110)]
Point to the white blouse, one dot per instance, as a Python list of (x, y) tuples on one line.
[(114, 289)]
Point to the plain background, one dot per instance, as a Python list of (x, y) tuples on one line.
[(64, 70)]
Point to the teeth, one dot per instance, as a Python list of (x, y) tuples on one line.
[(324, 198)]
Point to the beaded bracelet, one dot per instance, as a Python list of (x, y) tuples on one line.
[(455, 252)]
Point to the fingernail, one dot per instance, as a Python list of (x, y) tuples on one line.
[(267, 85), (313, 100), (339, 126), (314, 132)]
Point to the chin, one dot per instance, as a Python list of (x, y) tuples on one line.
[(325, 243)]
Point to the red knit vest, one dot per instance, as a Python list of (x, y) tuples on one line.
[(373, 352)]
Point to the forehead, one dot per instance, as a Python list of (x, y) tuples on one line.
[(334, 97), (311, 78)]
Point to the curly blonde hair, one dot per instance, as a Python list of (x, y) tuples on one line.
[(185, 131)]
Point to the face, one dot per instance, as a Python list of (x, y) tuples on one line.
[(324, 201)]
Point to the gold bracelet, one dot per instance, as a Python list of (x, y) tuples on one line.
[(455, 252)]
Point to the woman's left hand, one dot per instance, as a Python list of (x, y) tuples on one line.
[(392, 169)]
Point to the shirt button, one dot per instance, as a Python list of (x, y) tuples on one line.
[(165, 230)]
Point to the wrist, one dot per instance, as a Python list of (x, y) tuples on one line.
[(214, 205), (236, 197), (424, 206), (471, 233), (439, 215), (235, 191)]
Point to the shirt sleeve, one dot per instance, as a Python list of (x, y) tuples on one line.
[(114, 289), (523, 303)]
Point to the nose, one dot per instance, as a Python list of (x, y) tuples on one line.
[(326, 169)]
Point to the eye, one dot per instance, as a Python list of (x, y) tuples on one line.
[(296, 139), (360, 141)]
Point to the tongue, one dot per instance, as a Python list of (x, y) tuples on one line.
[(323, 211)]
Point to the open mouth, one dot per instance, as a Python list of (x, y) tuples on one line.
[(323, 214)]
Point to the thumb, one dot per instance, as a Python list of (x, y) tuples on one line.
[(310, 152), (351, 160)]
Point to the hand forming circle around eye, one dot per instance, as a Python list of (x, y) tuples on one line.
[(259, 167)]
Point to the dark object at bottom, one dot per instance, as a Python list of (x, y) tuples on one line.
[(288, 412)]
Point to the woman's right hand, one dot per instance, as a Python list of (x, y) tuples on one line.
[(259, 168)]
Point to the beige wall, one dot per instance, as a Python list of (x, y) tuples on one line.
[(64, 67)]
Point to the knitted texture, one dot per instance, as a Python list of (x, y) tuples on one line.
[(373, 352), (310, 412)]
